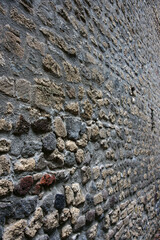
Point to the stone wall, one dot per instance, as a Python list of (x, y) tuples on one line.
[(79, 119)]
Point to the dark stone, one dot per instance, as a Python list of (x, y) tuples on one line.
[(1, 232), (90, 215), (42, 125), (49, 142), (89, 200), (59, 201), (5, 211), (73, 126), (24, 207), (83, 128), (69, 159), (43, 237), (22, 126), (30, 148), (81, 221), (24, 186), (47, 204)]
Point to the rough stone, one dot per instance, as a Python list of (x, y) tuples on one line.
[(22, 126), (59, 201), (51, 221), (73, 126), (30, 148), (79, 156), (15, 230), (42, 125), (24, 207), (5, 126), (92, 231), (56, 158), (69, 194), (71, 146), (70, 91), (23, 90), (25, 165), (90, 215), (24, 186), (35, 223), (6, 187), (5, 145), (72, 108), (74, 214), (69, 159), (6, 85), (60, 144), (60, 128), (79, 197), (72, 73), (48, 203), (87, 110), (51, 65), (66, 231), (98, 198), (34, 43), (86, 174), (4, 165), (65, 215), (49, 142)]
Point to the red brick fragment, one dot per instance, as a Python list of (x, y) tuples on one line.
[(24, 186)]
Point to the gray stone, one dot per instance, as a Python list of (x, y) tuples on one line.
[(73, 126), (69, 159), (42, 237), (30, 148), (16, 146), (47, 203), (90, 215), (81, 221), (49, 142)]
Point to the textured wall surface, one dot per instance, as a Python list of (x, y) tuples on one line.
[(79, 119)]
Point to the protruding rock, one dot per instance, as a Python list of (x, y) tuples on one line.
[(71, 146), (6, 187), (60, 144), (81, 221), (35, 223), (15, 230), (4, 165), (79, 156), (5, 145), (65, 215), (92, 231), (49, 142), (24, 165), (86, 174), (22, 126), (59, 201), (56, 158), (72, 108), (60, 128), (41, 125), (4, 125), (73, 126), (69, 159), (51, 65), (74, 214), (66, 231), (51, 221), (69, 194)]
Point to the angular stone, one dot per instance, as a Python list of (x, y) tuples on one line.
[(96, 172), (23, 90), (25, 165), (83, 141), (2, 60), (65, 215), (7, 86), (21, 19), (70, 91), (86, 174), (66, 231), (34, 43), (92, 232), (74, 214), (51, 221), (41, 125), (6, 187), (69, 195), (24, 207), (71, 146), (35, 223), (73, 126), (5, 145), (60, 128), (79, 197), (22, 126), (79, 156), (72, 108), (56, 158), (81, 221), (94, 132), (106, 222), (87, 110), (49, 142), (59, 201), (69, 159), (6, 211), (15, 230), (60, 144), (24, 186), (12, 43), (51, 65), (72, 73), (41, 163), (98, 198), (4, 165), (4, 125)]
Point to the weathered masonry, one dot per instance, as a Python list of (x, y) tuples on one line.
[(79, 119)]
